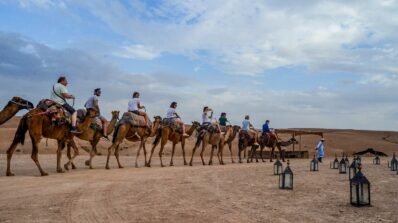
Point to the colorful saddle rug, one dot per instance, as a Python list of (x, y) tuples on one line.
[(133, 119)]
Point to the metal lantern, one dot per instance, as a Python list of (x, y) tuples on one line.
[(376, 160), (352, 170), (335, 163), (347, 161), (359, 160), (314, 164), (394, 163), (359, 190), (286, 179), (278, 167), (342, 166)]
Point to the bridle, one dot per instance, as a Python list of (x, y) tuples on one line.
[(25, 106)]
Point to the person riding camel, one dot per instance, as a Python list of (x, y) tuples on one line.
[(134, 106), (207, 119), (267, 130), (223, 119), (172, 114), (92, 106), (248, 127), (59, 94)]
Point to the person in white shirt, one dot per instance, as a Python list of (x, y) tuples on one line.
[(92, 105), (134, 106), (248, 127), (59, 94), (172, 114), (207, 119)]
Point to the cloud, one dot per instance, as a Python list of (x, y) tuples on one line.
[(138, 52)]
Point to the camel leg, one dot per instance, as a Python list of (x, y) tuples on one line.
[(34, 156), (59, 156), (183, 151), (230, 150), (150, 156), (160, 155), (93, 152), (211, 154), (220, 154), (66, 165), (272, 154), (201, 152), (261, 153), (244, 154), (255, 154), (172, 154), (193, 153), (138, 153), (122, 131), (145, 153), (109, 154), (10, 151), (117, 157), (239, 154), (250, 155)]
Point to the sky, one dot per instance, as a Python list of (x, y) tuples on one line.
[(300, 64)]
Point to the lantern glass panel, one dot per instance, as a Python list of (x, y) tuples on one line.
[(394, 165), (288, 181), (278, 167), (342, 167)]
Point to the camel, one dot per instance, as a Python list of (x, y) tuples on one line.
[(12, 107), (243, 142), (168, 134), (267, 141), (40, 125), (235, 130), (129, 132), (216, 140), (93, 136)]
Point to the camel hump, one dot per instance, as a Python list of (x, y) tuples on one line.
[(133, 119)]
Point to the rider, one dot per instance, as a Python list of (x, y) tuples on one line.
[(134, 106), (59, 94), (248, 127), (172, 114), (207, 119), (223, 119), (92, 106), (267, 130), (321, 149)]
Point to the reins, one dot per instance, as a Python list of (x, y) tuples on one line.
[(26, 106)]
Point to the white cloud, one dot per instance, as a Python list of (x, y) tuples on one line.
[(138, 52), (42, 3)]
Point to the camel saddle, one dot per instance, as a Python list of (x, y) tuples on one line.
[(57, 114), (96, 122), (133, 119), (243, 134), (172, 124)]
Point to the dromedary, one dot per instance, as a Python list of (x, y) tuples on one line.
[(40, 125), (12, 107), (235, 130), (129, 132), (93, 136), (267, 141), (245, 141), (216, 140), (167, 133)]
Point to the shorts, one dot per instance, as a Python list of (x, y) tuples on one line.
[(69, 108)]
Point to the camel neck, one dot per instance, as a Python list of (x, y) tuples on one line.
[(112, 124), (191, 130), (8, 112)]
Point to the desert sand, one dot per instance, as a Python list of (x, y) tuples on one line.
[(230, 193)]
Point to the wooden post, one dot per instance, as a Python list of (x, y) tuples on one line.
[(293, 143), (300, 143)]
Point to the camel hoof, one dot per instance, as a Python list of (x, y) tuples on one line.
[(87, 162), (190, 164), (240, 161), (91, 168), (73, 167), (162, 165), (148, 165), (107, 167), (256, 161), (185, 163), (171, 164), (66, 166), (44, 174), (210, 163), (233, 161), (121, 167), (9, 174), (60, 171)]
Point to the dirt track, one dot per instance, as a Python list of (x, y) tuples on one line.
[(231, 193)]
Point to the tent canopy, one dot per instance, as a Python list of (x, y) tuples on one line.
[(370, 150)]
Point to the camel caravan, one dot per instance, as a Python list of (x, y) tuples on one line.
[(55, 119)]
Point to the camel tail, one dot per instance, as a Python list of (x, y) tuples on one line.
[(158, 136), (21, 131)]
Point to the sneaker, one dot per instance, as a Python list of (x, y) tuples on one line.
[(222, 133), (106, 137), (185, 135), (256, 144), (74, 130)]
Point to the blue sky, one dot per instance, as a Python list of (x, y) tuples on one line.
[(301, 64)]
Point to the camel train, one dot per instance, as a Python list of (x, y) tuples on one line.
[(48, 120)]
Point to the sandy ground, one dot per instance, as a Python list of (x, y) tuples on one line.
[(230, 193)]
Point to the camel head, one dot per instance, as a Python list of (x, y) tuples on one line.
[(22, 103), (196, 124), (236, 128), (157, 119), (293, 141), (115, 114)]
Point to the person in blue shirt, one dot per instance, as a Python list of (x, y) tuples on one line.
[(321, 150), (267, 130)]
